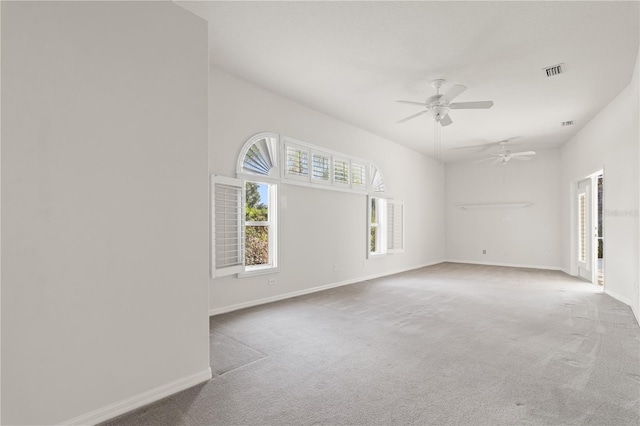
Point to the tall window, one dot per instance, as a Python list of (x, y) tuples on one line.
[(386, 226), (376, 234), (260, 226)]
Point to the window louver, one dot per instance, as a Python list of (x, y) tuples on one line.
[(320, 167), (297, 161), (227, 238), (377, 182), (341, 171), (395, 226), (358, 176), (260, 157)]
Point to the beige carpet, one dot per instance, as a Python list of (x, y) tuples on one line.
[(451, 344)]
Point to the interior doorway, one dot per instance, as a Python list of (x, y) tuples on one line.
[(590, 232)]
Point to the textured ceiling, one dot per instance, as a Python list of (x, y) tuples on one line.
[(352, 60)]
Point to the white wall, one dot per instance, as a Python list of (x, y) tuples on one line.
[(320, 228), (511, 236), (104, 207), (610, 142)]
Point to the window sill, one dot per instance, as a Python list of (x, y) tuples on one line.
[(376, 255), (258, 271)]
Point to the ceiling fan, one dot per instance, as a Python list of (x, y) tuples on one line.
[(505, 155), (438, 105)]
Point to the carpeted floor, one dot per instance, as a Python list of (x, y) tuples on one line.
[(450, 344)]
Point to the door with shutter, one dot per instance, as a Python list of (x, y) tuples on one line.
[(585, 236)]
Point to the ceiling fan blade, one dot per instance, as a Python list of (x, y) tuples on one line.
[(518, 154), (522, 158), (487, 146), (412, 116), (446, 120), (485, 159), (411, 102), (454, 92), (471, 105)]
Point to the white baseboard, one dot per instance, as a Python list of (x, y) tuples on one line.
[(139, 400), (248, 304), (509, 265), (566, 271), (618, 297)]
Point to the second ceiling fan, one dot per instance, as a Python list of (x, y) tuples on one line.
[(438, 105)]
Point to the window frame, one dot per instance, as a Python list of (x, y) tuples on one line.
[(347, 163), (379, 225), (384, 244), (273, 226), (328, 156), (272, 142), (365, 178), (285, 161)]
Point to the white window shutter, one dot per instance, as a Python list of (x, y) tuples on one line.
[(227, 239), (395, 226), (341, 169)]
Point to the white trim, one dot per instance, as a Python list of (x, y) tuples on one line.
[(509, 265), (279, 173), (365, 176), (238, 306), (112, 410), (289, 144), (624, 300), (347, 163), (320, 181), (253, 139), (619, 298), (274, 237)]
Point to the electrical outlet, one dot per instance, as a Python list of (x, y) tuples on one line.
[(484, 252), (272, 281)]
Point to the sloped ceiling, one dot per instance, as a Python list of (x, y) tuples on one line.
[(353, 60)]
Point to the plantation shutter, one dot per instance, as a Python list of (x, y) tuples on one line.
[(582, 228), (341, 171), (358, 176), (320, 167), (297, 162), (395, 226), (227, 238)]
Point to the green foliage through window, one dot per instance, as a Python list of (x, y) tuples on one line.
[(256, 230)]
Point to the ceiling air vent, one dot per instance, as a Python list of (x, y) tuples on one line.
[(554, 70), (567, 123)]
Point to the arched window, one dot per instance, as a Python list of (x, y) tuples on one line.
[(376, 181), (260, 155), (292, 161)]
